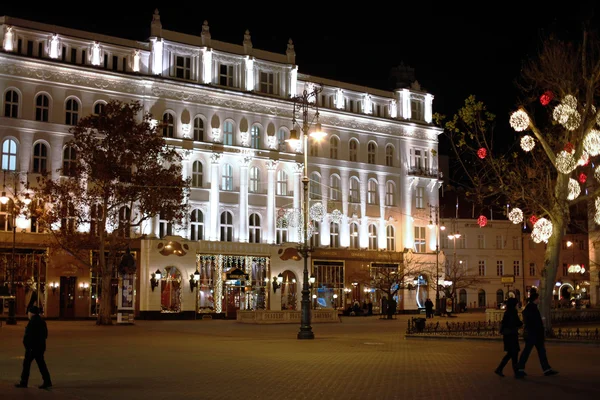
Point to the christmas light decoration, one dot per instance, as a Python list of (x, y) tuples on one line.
[(573, 121), (317, 211), (582, 177), (597, 215), (519, 120), (282, 222), (585, 159), (482, 221), (570, 101), (533, 219), (561, 113), (294, 218), (515, 215), (546, 98), (336, 216), (565, 162), (597, 173), (481, 153), (542, 230), (569, 147), (591, 142), (527, 143), (574, 189)]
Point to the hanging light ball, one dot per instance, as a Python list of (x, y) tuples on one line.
[(569, 147), (282, 222), (573, 121), (597, 173), (591, 142), (533, 219), (519, 120), (336, 216), (546, 98), (527, 143), (515, 216), (585, 159), (481, 153), (574, 189), (294, 218), (565, 162), (597, 214), (542, 230), (317, 211), (482, 221), (561, 113), (570, 101), (582, 177)]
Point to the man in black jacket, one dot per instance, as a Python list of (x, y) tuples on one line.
[(36, 333), (534, 336)]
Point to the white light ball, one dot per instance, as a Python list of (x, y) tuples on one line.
[(542, 230), (585, 158), (515, 216), (597, 173), (336, 216), (565, 162), (591, 142), (570, 101), (574, 189), (527, 143), (561, 113), (317, 211), (597, 215), (573, 121), (519, 120)]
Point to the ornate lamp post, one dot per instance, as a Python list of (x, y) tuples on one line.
[(436, 222), (302, 104)]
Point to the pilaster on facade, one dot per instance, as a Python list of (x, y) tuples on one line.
[(271, 170), (213, 229)]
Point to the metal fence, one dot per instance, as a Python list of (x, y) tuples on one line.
[(418, 326)]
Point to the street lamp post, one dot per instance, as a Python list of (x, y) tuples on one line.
[(302, 103), (454, 236), (436, 213)]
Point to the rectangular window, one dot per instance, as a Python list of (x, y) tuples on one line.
[(481, 268), (226, 75), (124, 68), (481, 241), (416, 109), (378, 110), (517, 267), (115, 63), (64, 53), (499, 267), (73, 56), (352, 105), (40, 52), (420, 239), (531, 269), (281, 235), (267, 82), (106, 61), (499, 242), (19, 46), (30, 48), (420, 197), (183, 67), (82, 57)]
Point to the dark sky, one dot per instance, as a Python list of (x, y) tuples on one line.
[(456, 51)]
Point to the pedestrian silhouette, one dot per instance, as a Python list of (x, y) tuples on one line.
[(509, 329), (34, 340)]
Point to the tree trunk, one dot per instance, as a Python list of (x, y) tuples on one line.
[(104, 314), (551, 261)]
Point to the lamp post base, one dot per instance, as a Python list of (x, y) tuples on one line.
[(306, 333)]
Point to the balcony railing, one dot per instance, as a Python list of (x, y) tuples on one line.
[(425, 172)]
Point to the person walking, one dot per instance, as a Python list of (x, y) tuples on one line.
[(428, 308), (534, 335), (509, 328), (36, 333)]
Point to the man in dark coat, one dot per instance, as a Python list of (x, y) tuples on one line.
[(429, 308), (510, 335), (534, 336), (36, 333)]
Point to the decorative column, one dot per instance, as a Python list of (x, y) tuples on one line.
[(428, 108), (344, 225), (382, 240), (249, 73), (364, 229), (213, 208), (298, 169), (243, 235), (271, 168), (406, 111), (325, 233)]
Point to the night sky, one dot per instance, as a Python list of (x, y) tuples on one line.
[(455, 51)]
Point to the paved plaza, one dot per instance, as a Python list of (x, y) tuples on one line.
[(360, 358)]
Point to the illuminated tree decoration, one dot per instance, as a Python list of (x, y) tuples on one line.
[(317, 211), (482, 221), (597, 215), (519, 120), (542, 230), (566, 113), (569, 147), (336, 216), (527, 143), (515, 215), (591, 142), (533, 219), (294, 218), (481, 153), (597, 173), (585, 159), (573, 121), (582, 177), (570, 101), (565, 162), (574, 189), (546, 98)]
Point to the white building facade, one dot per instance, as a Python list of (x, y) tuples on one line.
[(228, 108)]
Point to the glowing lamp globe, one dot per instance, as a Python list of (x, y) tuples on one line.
[(481, 153), (482, 221)]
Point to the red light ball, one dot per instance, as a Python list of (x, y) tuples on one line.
[(482, 221), (481, 153)]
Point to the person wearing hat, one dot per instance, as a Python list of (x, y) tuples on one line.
[(534, 335), (509, 329), (36, 333)]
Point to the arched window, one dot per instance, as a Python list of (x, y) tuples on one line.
[(353, 150), (196, 225), (391, 238), (254, 228), (462, 297), (254, 180), (354, 190), (354, 242), (71, 112), (99, 108), (255, 137), (372, 197), (11, 104), (170, 290), (197, 174), (281, 137), (198, 129), (42, 107), (334, 188), (499, 296), (40, 158), (165, 225), (69, 159), (372, 237), (334, 143), (68, 217), (481, 302), (226, 227), (9, 155), (282, 179), (168, 128), (228, 133), (315, 186), (389, 155), (96, 219), (371, 152), (227, 178), (314, 239), (124, 221), (390, 199), (334, 235)]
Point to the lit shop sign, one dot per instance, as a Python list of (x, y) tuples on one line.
[(576, 269)]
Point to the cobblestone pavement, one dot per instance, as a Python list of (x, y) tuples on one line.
[(360, 358)]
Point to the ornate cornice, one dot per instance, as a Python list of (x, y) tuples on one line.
[(182, 50), (226, 59)]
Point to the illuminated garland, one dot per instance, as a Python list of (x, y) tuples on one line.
[(515, 215), (574, 189), (527, 143), (565, 162), (542, 230), (519, 120), (591, 142)]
